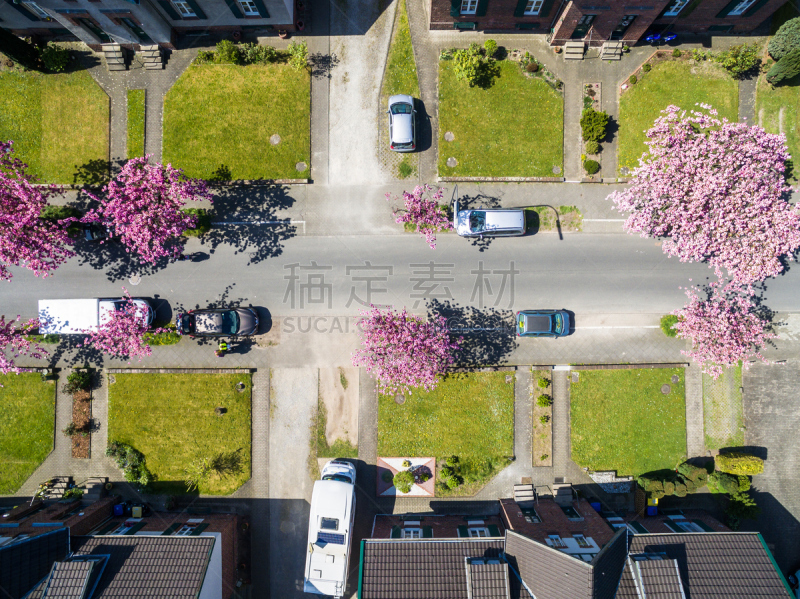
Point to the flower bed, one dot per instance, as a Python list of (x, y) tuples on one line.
[(82, 418)]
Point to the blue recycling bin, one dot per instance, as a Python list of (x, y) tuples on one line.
[(596, 506), (652, 510), (119, 509)]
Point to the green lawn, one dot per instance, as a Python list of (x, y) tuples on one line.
[(620, 420), (468, 415), (680, 82), (770, 102), (515, 128), (171, 419), (27, 421), (136, 123), (400, 76), (218, 120), (59, 124)]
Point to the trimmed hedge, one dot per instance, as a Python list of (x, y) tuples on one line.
[(739, 463)]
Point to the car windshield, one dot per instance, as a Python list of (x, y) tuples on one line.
[(187, 323), (337, 477), (230, 323), (329, 523), (401, 108), (477, 221), (559, 323)]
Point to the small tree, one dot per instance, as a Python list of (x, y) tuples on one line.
[(196, 473), (227, 53), (668, 323), (424, 213), (739, 60), (122, 334), (786, 68), (742, 506), (786, 39), (298, 55), (403, 351), (739, 463), (472, 66), (142, 206), (55, 58), (593, 124), (16, 341), (403, 481)]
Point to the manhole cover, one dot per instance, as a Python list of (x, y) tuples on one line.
[(275, 139), (624, 170), (135, 280), (400, 399), (449, 136), (676, 379), (240, 387), (665, 389), (301, 166), (452, 162), (556, 170)]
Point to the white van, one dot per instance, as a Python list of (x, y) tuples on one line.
[(330, 530), (77, 316)]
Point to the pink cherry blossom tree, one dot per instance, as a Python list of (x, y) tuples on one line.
[(715, 191), (724, 328), (403, 351), (423, 212), (16, 341), (142, 206), (122, 335), (25, 239)]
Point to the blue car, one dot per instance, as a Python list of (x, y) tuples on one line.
[(542, 323)]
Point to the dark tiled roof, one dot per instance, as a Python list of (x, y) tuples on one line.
[(607, 566), (421, 569), (487, 580), (68, 580), (659, 578), (144, 566), (24, 564), (717, 565)]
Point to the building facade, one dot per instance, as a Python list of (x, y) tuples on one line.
[(132, 23), (598, 21)]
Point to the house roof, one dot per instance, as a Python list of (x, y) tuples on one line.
[(658, 578), (146, 566), (487, 579), (718, 565), (24, 564)]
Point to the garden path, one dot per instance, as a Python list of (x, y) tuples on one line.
[(695, 436)]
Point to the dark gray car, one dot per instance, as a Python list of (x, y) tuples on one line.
[(218, 322)]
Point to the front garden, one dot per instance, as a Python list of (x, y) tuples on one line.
[(234, 121), (777, 110), (641, 103), (511, 127), (27, 422), (58, 123), (468, 415), (187, 426), (622, 420)]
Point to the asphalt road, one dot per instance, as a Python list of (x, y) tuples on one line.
[(584, 273)]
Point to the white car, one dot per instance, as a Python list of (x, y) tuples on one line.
[(402, 124), (492, 222)]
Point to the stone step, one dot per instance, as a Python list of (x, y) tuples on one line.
[(153, 65)]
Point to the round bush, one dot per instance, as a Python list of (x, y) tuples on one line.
[(669, 488), (646, 67), (668, 321), (55, 58), (633, 80), (544, 401), (543, 383), (544, 418), (532, 67), (680, 490), (406, 463), (446, 472), (490, 48), (452, 461), (677, 53), (387, 476), (453, 482), (592, 147), (786, 39), (403, 481), (591, 166)]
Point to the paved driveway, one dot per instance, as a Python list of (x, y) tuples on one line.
[(772, 419)]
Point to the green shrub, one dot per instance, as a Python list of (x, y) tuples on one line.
[(786, 68), (544, 401), (50, 338), (227, 53), (691, 486), (490, 48), (681, 490), (676, 53), (650, 484), (544, 457), (446, 472), (739, 463), (593, 124), (543, 383), (668, 321), (742, 506), (786, 39), (205, 57), (453, 481), (592, 147), (170, 337), (70, 430), (132, 463), (55, 58), (258, 54), (78, 380), (646, 67), (452, 461), (632, 79), (406, 463), (692, 472), (744, 483), (424, 477), (298, 55), (544, 418), (591, 166), (739, 60), (203, 222), (58, 213), (669, 488), (471, 66), (403, 480), (657, 494), (387, 476), (724, 482)]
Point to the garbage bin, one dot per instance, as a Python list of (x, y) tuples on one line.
[(119, 509)]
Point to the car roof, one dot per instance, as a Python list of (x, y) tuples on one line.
[(208, 321), (505, 219), (402, 128), (538, 322), (404, 98)]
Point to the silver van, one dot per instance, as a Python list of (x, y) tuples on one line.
[(491, 222)]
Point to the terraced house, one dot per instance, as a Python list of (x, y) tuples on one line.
[(598, 21)]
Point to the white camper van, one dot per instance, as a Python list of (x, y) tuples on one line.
[(77, 316), (330, 528)]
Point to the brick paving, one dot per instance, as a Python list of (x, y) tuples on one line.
[(695, 432)]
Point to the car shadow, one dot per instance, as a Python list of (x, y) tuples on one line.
[(424, 127)]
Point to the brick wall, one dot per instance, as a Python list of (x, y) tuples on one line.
[(655, 524), (443, 527), (696, 17), (555, 521)]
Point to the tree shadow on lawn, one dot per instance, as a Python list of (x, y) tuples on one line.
[(251, 223), (488, 334)]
